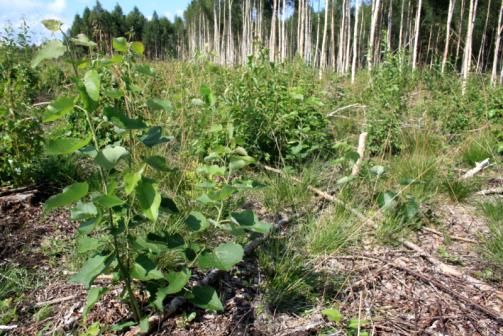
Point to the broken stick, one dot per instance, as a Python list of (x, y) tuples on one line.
[(477, 169), (361, 151)]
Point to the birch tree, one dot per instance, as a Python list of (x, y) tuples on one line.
[(467, 55), (416, 34), (452, 4), (497, 42)]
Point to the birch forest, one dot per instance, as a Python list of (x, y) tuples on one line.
[(335, 35)]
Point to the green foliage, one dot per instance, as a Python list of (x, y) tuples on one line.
[(119, 233), (492, 246)]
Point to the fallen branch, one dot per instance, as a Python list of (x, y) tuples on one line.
[(325, 195), (492, 314), (302, 330), (477, 169), (333, 113), (361, 151), (445, 269), (7, 327), (449, 270), (466, 240), (487, 192), (55, 301)]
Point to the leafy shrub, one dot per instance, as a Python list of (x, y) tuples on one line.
[(276, 113)]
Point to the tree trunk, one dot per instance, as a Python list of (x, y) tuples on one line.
[(452, 4), (460, 29), (323, 43), (416, 34), (467, 56), (373, 23), (497, 42), (400, 36), (388, 34), (483, 42), (355, 43)]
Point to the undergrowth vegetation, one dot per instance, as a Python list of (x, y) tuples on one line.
[(160, 163)]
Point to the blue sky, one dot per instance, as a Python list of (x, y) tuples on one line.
[(34, 11)]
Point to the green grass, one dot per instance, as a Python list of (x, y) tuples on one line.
[(492, 246), (478, 148), (336, 230), (459, 190)]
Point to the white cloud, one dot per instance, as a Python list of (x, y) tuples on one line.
[(33, 12), (171, 16)]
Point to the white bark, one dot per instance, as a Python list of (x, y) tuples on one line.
[(467, 55), (497, 42), (355, 43), (323, 43), (373, 23), (452, 4), (416, 34)]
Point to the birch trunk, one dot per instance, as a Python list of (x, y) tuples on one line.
[(460, 29), (467, 56), (416, 34), (390, 16), (355, 43), (373, 23), (400, 35), (323, 43), (484, 37), (452, 4), (497, 42)]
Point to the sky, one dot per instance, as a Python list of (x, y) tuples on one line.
[(13, 12)]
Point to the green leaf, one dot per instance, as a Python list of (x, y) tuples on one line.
[(70, 194), (248, 220), (149, 198), (83, 211), (144, 325), (154, 137), (88, 226), (169, 205), (87, 244), (93, 295), (110, 156), (345, 179), (236, 165), (158, 163), (92, 83), (144, 269), (332, 315), (386, 199), (196, 221), (93, 267), (176, 280), (108, 201), (208, 96), (212, 170), (119, 119), (120, 44), (63, 146), (131, 180), (52, 25), (158, 104), (224, 257), (58, 109), (207, 298), (84, 41), (51, 50), (145, 69), (174, 241), (138, 48), (121, 326)]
